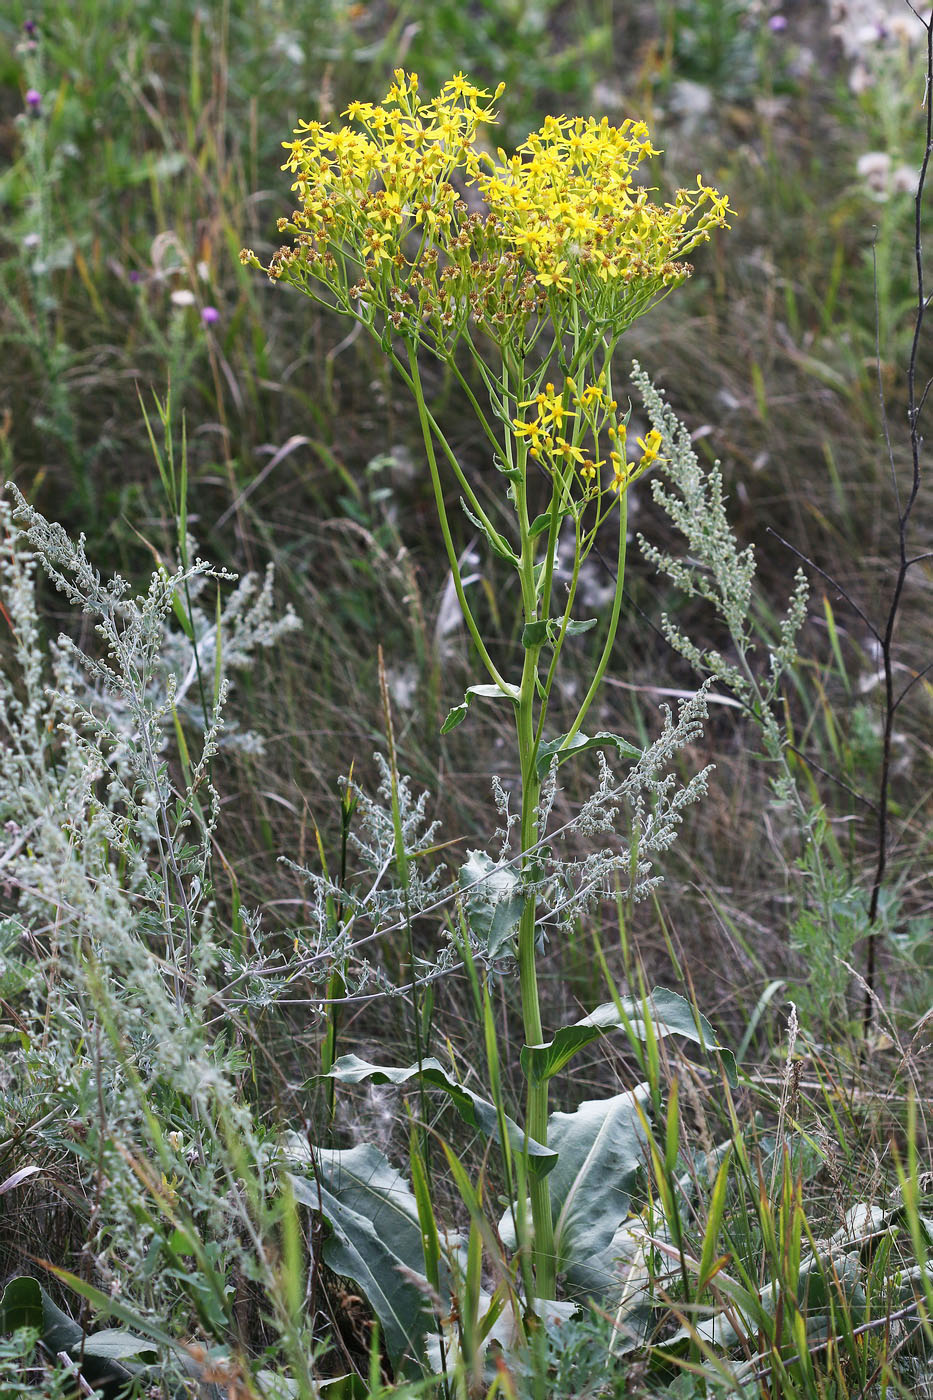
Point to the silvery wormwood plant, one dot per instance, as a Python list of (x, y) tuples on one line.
[(84, 766), (110, 944), (832, 916)]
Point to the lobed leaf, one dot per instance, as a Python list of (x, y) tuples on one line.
[(494, 901)]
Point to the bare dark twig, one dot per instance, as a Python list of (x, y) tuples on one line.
[(912, 682), (905, 561), (839, 782), (884, 633)]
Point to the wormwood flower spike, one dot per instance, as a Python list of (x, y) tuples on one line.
[(382, 226)]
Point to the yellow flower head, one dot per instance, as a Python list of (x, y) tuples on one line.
[(650, 446)]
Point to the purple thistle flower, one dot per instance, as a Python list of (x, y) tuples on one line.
[(29, 27), (209, 314), (777, 23), (33, 98)]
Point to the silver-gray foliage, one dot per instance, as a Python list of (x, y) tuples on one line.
[(626, 822), (111, 940), (717, 570), (830, 918)]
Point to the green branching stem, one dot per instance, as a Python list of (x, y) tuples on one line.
[(500, 408), (428, 436), (413, 380), (613, 620), (558, 644)]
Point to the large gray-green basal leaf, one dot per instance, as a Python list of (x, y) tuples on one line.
[(599, 1152), (823, 1278), (745, 1319), (110, 1359), (374, 1239), (494, 901), (670, 1014), (478, 1112), (600, 1149)]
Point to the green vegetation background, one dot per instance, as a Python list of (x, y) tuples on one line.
[(141, 150)]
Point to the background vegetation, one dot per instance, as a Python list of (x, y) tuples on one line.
[(142, 150)]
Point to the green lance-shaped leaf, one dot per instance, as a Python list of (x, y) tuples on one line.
[(577, 744), (485, 692), (670, 1014), (539, 525), (548, 630), (494, 901), (496, 543), (478, 1112), (117, 1344), (374, 1239)]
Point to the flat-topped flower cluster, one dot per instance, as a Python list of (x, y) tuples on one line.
[(405, 217)]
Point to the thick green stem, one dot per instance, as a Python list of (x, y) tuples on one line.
[(562, 632), (545, 1263)]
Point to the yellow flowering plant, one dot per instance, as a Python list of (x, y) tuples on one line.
[(536, 263)]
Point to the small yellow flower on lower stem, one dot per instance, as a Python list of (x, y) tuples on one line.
[(650, 447), (567, 449)]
